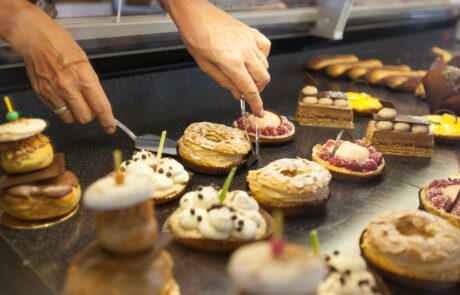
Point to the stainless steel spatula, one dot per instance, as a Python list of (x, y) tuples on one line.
[(149, 141)]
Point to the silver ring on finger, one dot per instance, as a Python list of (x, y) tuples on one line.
[(61, 111), (260, 54)]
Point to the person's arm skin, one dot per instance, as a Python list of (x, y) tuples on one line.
[(58, 68), (224, 48)]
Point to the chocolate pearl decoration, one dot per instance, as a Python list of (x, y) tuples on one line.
[(347, 272), (144, 156), (387, 113), (341, 102), (342, 280), (310, 99), (384, 125), (336, 252), (240, 222), (161, 171), (309, 90), (234, 217), (325, 101), (421, 129), (168, 174), (128, 162), (401, 126), (135, 160), (199, 218), (200, 196), (239, 229), (192, 211)]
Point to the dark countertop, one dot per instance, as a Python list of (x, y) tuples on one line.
[(171, 100)]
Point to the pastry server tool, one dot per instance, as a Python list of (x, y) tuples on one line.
[(149, 141)]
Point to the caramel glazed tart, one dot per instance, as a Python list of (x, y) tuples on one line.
[(413, 248), (213, 148), (324, 108), (271, 123), (204, 223), (292, 185), (168, 176)]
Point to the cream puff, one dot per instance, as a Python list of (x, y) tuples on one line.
[(414, 248), (272, 128), (169, 176), (260, 268), (23, 147), (352, 161), (203, 222), (43, 199), (213, 148), (291, 185)]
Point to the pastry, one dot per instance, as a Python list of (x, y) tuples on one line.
[(23, 147), (363, 104), (324, 108), (272, 128), (420, 91), (349, 161), (445, 55), (414, 248), (441, 197), (42, 199), (403, 83), (213, 148), (348, 274), (407, 135), (338, 70), (323, 61), (361, 72), (445, 127), (291, 185), (378, 76), (168, 176), (205, 223), (124, 259), (262, 268)]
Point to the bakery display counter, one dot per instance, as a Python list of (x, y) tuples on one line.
[(171, 101)]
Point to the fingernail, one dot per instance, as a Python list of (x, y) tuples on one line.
[(261, 113), (110, 129)]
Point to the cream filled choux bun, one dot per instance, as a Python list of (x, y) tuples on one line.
[(124, 217), (291, 185), (168, 175), (414, 248), (204, 222), (213, 148), (258, 269), (23, 147)]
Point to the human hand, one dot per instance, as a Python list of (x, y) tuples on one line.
[(232, 53), (58, 68)]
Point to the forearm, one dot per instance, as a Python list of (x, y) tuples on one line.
[(179, 10)]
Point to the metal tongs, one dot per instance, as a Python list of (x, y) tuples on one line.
[(255, 152), (149, 141)]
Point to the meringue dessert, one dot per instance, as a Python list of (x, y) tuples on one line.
[(167, 175), (354, 162), (204, 223), (123, 259), (395, 134), (348, 274), (292, 185), (441, 197), (272, 128), (262, 269), (413, 247), (213, 148)]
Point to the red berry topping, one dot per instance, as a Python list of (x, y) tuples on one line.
[(439, 183), (441, 202), (433, 192), (371, 149), (370, 165), (360, 142), (377, 157), (337, 162), (456, 210), (324, 154), (265, 132), (330, 143), (277, 246), (352, 165), (251, 129), (271, 131), (456, 181), (282, 130), (289, 126)]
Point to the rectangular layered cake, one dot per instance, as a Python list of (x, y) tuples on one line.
[(324, 108), (402, 135)]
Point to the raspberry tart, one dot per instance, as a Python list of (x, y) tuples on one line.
[(349, 161), (441, 197), (272, 128)]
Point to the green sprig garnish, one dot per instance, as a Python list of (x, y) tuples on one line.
[(162, 143), (314, 241), (226, 185)]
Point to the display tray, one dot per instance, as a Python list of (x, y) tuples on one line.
[(172, 100)]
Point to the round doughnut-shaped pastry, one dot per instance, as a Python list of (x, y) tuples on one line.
[(384, 125), (422, 129), (414, 248), (292, 185), (309, 90), (21, 129), (401, 126), (341, 102), (43, 199), (26, 155), (94, 271), (387, 113), (255, 269), (326, 101), (204, 223), (310, 99), (213, 148)]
